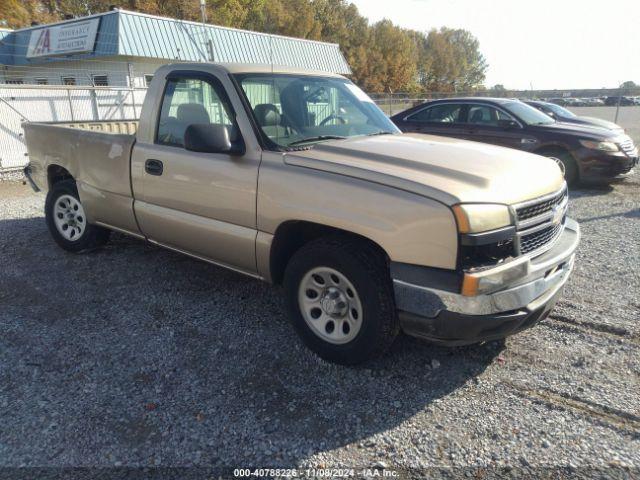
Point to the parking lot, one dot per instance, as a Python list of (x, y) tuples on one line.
[(136, 356), (628, 117)]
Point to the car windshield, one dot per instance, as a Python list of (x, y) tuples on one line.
[(528, 114), (560, 111), (298, 110)]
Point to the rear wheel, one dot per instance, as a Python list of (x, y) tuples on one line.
[(340, 299), (67, 220)]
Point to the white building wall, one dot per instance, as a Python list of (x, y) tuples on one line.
[(120, 71)]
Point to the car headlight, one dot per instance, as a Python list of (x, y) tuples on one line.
[(481, 217), (496, 278), (604, 146)]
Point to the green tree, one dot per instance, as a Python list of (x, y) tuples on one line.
[(451, 61), (383, 57), (629, 84), (246, 14), (391, 64), (498, 90), (341, 23), (20, 13), (293, 18)]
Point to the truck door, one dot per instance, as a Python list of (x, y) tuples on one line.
[(203, 204)]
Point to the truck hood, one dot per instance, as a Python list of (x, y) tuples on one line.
[(445, 169)]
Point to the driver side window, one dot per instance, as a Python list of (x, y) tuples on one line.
[(486, 115), (188, 101)]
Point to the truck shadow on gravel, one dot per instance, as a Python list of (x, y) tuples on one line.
[(142, 354)]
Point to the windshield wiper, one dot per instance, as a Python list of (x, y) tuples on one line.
[(317, 138), (381, 132)]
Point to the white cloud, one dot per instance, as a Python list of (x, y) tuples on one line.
[(546, 43)]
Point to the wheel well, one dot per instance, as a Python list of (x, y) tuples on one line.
[(56, 174), (561, 150), (552, 149), (293, 235)]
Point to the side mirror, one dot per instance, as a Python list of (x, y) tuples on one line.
[(507, 124), (210, 138)]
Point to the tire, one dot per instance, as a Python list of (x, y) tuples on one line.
[(363, 283), (571, 173), (63, 207)]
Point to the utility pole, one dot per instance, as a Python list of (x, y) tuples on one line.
[(203, 11), (209, 55), (615, 120)]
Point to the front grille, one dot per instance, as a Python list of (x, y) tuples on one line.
[(628, 147), (534, 209), (622, 169), (533, 241), (540, 222)]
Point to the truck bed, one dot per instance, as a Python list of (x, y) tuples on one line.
[(97, 155), (127, 127)]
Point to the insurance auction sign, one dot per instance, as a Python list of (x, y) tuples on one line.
[(76, 37)]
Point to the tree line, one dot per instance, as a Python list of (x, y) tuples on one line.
[(383, 56)]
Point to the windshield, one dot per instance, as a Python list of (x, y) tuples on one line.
[(294, 110), (560, 111), (528, 114)]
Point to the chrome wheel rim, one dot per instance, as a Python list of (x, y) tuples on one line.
[(330, 305), (69, 218)]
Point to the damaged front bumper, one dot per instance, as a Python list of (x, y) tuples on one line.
[(524, 291)]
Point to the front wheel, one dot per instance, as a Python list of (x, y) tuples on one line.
[(340, 299), (567, 164), (67, 221)]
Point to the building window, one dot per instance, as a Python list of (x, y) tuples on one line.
[(147, 80), (42, 81), (15, 81), (100, 80), (68, 80)]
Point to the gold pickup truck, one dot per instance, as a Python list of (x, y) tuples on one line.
[(297, 178)]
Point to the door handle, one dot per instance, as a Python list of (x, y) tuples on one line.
[(153, 167)]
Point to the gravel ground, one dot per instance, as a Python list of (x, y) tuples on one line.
[(136, 356)]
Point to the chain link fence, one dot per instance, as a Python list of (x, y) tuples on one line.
[(64, 103), (392, 103)]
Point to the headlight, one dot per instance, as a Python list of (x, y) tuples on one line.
[(476, 284), (604, 146), (481, 217)]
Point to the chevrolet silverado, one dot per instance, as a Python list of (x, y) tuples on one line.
[(297, 178)]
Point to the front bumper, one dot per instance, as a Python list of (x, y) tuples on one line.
[(531, 287), (602, 166)]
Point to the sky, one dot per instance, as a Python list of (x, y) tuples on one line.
[(544, 44)]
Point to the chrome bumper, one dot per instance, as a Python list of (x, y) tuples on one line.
[(525, 283)]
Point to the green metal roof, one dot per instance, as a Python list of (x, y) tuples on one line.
[(140, 35)]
